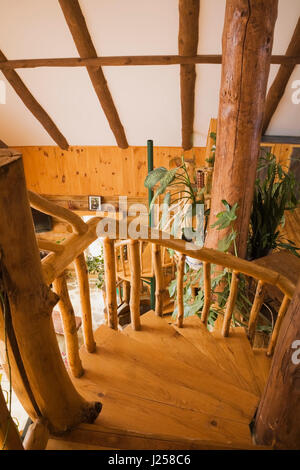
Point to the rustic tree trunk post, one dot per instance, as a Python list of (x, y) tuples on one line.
[(180, 278), (278, 416), (9, 437), (31, 303), (69, 325), (110, 283), (85, 301), (247, 46)]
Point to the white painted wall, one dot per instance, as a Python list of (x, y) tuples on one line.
[(147, 98)]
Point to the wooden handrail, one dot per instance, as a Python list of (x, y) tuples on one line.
[(43, 205)]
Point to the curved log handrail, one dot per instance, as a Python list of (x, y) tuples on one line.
[(40, 203)]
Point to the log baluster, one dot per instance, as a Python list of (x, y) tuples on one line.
[(69, 325), (230, 303), (256, 307), (282, 311), (180, 276), (85, 302), (158, 272), (207, 291), (134, 260), (110, 282)]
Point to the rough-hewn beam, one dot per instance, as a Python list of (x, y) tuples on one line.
[(278, 416), (34, 107), (247, 45), (130, 60), (279, 85), (78, 28), (3, 145), (187, 46)]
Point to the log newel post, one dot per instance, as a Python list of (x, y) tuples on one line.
[(31, 303), (247, 47), (278, 415)]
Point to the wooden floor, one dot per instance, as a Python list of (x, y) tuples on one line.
[(169, 388)]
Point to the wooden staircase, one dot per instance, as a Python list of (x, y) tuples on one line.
[(165, 387)]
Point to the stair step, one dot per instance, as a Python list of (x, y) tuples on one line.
[(199, 336), (157, 333), (238, 347), (99, 436), (143, 389)]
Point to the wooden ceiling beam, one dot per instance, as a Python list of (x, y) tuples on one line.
[(34, 107), (282, 78), (3, 145), (81, 36), (187, 46)]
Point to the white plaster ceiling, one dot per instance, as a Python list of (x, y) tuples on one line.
[(147, 98)]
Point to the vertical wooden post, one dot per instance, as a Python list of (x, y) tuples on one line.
[(207, 291), (247, 47), (278, 415), (180, 276), (256, 307), (282, 311), (230, 303), (134, 262), (158, 272), (110, 282), (31, 303), (85, 301), (69, 325), (9, 435)]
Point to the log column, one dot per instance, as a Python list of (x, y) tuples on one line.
[(31, 303), (278, 416), (247, 47)]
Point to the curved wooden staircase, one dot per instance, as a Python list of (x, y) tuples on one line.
[(165, 387), (161, 385)]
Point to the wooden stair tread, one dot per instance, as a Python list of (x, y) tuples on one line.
[(157, 333), (238, 346), (142, 389), (199, 336), (145, 423)]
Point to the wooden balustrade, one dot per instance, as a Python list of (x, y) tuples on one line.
[(158, 272), (256, 307), (85, 302), (180, 277), (69, 325), (207, 291), (135, 284), (230, 303)]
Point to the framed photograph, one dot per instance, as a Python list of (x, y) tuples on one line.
[(94, 203)]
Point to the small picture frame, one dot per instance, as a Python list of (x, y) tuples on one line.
[(94, 203)]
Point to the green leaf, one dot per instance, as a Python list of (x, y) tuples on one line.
[(154, 177)]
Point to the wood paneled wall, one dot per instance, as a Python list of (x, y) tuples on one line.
[(103, 171)]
